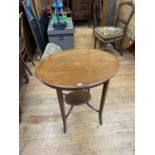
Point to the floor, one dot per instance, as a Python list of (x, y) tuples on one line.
[(41, 129)]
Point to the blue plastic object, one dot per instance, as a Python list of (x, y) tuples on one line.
[(59, 22)]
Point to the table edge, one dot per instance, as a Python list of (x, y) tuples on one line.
[(71, 87)]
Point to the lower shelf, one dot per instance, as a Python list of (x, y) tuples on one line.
[(77, 97)]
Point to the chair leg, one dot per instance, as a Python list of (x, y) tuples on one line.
[(121, 51), (101, 44), (121, 47), (93, 32), (26, 77), (104, 45), (30, 58), (28, 69), (95, 40), (32, 61)]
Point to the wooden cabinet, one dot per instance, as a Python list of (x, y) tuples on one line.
[(80, 9)]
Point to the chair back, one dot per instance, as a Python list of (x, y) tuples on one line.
[(97, 12), (119, 19)]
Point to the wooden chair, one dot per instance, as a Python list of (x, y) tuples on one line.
[(111, 34), (23, 52)]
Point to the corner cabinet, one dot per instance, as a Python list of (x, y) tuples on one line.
[(80, 9)]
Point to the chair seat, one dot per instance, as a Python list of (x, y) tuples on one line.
[(108, 33)]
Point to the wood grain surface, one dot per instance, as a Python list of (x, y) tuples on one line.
[(77, 68)]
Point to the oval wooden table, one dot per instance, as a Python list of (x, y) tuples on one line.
[(78, 70)]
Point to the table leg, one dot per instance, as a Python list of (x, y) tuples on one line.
[(62, 107), (103, 97)]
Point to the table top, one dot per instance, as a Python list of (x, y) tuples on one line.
[(77, 69)]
